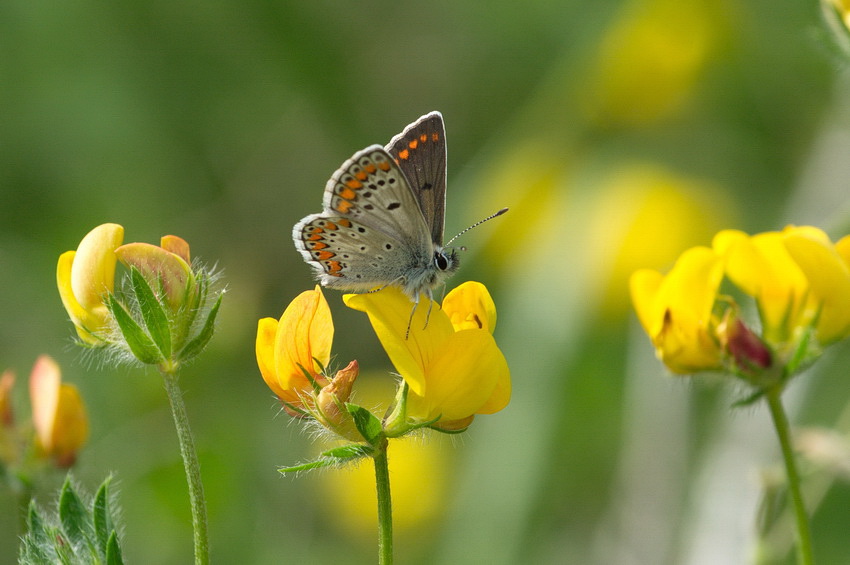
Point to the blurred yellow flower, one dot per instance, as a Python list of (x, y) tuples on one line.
[(453, 370), (420, 474), (7, 416), (643, 217), (676, 310), (59, 415), (84, 276), (294, 350), (649, 62), (8, 442)]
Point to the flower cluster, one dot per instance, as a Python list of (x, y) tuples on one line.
[(60, 425), (450, 365), (166, 313), (798, 278)]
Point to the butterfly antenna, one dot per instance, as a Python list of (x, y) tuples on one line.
[(476, 224)]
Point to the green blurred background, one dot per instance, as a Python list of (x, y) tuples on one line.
[(618, 132)]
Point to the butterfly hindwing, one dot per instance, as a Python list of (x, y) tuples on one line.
[(420, 151), (370, 220), (335, 245)]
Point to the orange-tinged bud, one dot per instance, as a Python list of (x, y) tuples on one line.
[(330, 402), (7, 381), (166, 271)]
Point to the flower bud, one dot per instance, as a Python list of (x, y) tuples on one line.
[(59, 416), (747, 350)]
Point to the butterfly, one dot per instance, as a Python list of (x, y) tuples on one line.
[(383, 215)]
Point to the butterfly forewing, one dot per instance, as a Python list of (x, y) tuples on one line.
[(420, 151)]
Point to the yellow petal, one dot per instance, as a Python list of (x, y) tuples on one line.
[(44, 397), (93, 269), (829, 279), (304, 335), (266, 332), (70, 426), (470, 306), (643, 286), (676, 310), (762, 267), (176, 245), (389, 313), (80, 317), (462, 379)]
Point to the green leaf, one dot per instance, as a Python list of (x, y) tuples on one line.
[(332, 458), (153, 312), (103, 525), (367, 423), (194, 347), (143, 348), (350, 451), (74, 517), (309, 466)]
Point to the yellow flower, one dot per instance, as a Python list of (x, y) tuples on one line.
[(676, 310), (84, 276), (449, 360), (300, 341), (59, 416), (799, 278)]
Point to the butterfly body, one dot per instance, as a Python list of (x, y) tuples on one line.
[(382, 218)]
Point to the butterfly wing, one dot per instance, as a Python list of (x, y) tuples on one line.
[(420, 151), (370, 232)]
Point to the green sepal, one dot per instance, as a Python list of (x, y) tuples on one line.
[(194, 347), (332, 458), (367, 423), (113, 550), (749, 400), (142, 346), (153, 312)]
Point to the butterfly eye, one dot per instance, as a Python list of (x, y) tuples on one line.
[(441, 261)]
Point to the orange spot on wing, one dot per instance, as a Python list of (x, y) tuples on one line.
[(324, 255), (347, 193), (344, 206), (370, 168), (361, 175), (353, 183), (384, 166), (423, 138), (334, 268), (344, 223), (435, 136), (403, 154), (413, 144), (317, 245)]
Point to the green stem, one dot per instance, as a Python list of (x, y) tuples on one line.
[(780, 422), (385, 505), (190, 464)]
